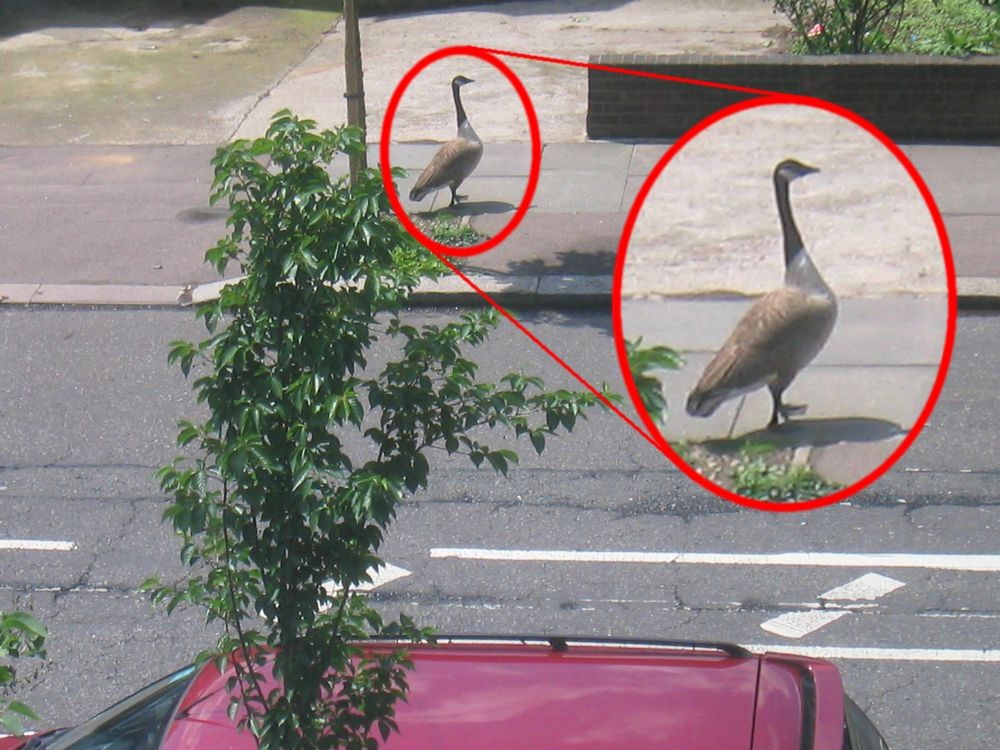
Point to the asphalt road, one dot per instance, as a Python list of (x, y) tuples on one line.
[(87, 414)]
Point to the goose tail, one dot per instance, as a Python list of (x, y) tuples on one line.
[(703, 403)]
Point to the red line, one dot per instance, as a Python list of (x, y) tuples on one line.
[(559, 360), (629, 72)]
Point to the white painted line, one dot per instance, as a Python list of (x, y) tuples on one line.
[(36, 545), (867, 588), (800, 624), (972, 563), (974, 655)]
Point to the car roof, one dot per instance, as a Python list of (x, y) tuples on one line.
[(544, 693)]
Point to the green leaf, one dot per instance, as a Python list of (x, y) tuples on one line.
[(22, 621), (23, 710)]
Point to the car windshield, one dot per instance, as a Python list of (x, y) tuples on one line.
[(136, 723), (859, 732)]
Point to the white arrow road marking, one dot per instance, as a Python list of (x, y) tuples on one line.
[(36, 545), (866, 588), (971, 563), (800, 624), (380, 576)]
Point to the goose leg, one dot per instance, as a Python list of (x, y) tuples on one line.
[(776, 408), (784, 411)]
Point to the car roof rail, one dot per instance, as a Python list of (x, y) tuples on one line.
[(564, 643)]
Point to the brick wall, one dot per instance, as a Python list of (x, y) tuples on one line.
[(905, 96)]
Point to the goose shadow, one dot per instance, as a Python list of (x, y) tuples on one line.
[(817, 433), (477, 208)]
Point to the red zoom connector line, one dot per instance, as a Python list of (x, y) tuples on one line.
[(558, 360), (630, 72)]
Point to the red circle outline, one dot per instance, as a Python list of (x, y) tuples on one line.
[(949, 341), (434, 246)]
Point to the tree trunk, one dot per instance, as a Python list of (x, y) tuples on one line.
[(354, 74)]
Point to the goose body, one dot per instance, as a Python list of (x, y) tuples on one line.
[(783, 331), (456, 159)]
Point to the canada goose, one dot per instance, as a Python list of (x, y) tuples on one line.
[(456, 159), (781, 333)]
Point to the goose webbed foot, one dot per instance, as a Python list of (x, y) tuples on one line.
[(793, 410)]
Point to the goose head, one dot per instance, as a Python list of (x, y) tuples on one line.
[(790, 169), (459, 81)]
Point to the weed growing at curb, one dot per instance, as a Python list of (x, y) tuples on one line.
[(451, 231), (756, 470)]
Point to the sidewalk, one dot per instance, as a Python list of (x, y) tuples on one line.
[(130, 224)]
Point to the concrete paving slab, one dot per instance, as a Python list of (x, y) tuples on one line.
[(600, 155), (645, 156), (587, 250), (579, 191), (975, 242), (102, 165), (892, 331), (102, 252), (103, 203), (633, 184), (960, 177), (846, 463)]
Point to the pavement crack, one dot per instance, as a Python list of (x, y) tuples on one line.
[(281, 79)]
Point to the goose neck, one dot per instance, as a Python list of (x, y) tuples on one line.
[(459, 109), (789, 231)]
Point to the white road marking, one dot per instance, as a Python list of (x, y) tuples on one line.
[(868, 588), (977, 655), (970, 563), (800, 624), (36, 545), (380, 576)]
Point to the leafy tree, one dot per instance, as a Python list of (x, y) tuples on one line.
[(21, 635), (642, 361), (290, 484)]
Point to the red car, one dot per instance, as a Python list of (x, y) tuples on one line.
[(546, 693)]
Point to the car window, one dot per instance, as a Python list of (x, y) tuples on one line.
[(859, 732), (136, 723)]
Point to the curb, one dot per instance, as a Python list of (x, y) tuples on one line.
[(556, 292)]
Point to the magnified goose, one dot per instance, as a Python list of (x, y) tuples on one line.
[(783, 331)]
